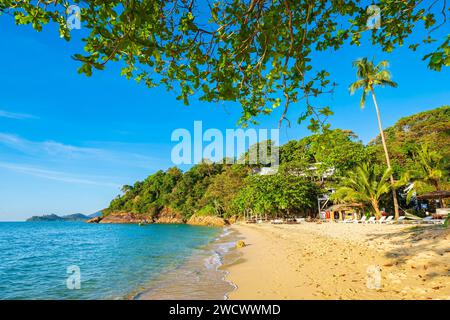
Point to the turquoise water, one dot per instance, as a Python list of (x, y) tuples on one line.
[(115, 261)]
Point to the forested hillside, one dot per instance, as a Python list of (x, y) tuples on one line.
[(429, 127), (226, 190)]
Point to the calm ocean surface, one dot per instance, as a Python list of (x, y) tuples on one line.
[(116, 261)]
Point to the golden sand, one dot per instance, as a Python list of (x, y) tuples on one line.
[(342, 261)]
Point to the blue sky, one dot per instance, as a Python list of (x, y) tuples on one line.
[(68, 142)]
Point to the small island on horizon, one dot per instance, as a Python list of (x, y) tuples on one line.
[(75, 217)]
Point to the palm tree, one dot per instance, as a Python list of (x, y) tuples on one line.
[(363, 185), (369, 76), (429, 173)]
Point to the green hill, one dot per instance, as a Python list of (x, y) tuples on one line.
[(429, 127), (225, 190)]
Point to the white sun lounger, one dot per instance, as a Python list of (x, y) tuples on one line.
[(362, 220), (371, 220), (427, 219), (381, 220), (430, 220), (401, 219), (277, 221), (389, 220)]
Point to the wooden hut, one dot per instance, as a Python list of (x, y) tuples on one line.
[(345, 210), (440, 196)]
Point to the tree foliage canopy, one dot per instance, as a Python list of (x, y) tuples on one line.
[(339, 149), (255, 52), (364, 185), (430, 172), (431, 128), (276, 194)]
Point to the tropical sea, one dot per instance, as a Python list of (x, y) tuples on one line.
[(39, 260)]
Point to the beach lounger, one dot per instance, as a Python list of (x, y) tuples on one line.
[(277, 221), (382, 219), (362, 220), (427, 220), (401, 219), (430, 220), (389, 220), (371, 220)]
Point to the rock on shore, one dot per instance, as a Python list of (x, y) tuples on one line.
[(94, 220), (167, 215), (207, 221), (123, 217)]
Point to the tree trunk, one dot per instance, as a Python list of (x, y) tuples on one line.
[(383, 140), (377, 209)]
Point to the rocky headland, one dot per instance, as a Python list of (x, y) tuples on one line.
[(165, 216)]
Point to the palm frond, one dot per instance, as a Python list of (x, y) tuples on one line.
[(364, 184), (362, 102), (369, 75), (358, 84), (390, 83), (383, 64)]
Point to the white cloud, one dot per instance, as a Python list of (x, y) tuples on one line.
[(51, 148), (17, 116), (57, 175), (122, 155)]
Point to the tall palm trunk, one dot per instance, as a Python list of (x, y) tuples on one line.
[(376, 208), (388, 161)]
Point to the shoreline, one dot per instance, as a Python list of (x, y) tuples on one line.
[(203, 275), (341, 261)]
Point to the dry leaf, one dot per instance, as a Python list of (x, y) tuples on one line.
[(437, 288)]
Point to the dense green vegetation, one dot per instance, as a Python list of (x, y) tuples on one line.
[(430, 128), (261, 54), (429, 173), (360, 175), (363, 185), (277, 195)]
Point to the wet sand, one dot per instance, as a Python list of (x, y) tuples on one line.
[(200, 277), (342, 261)]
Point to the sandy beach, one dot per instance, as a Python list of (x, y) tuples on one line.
[(342, 261)]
